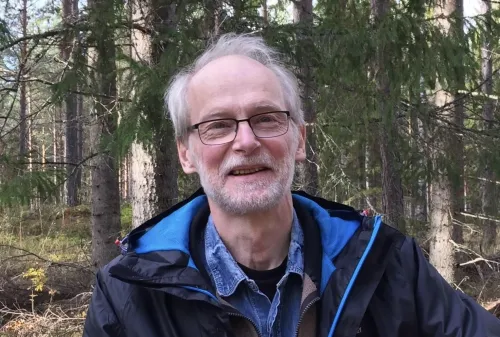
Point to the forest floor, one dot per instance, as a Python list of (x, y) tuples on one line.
[(45, 270), (46, 275)]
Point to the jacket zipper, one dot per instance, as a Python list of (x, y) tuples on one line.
[(313, 301), (230, 313), (336, 319)]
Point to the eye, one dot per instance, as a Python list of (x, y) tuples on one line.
[(223, 124), (265, 119)]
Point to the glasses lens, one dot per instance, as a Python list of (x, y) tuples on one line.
[(270, 124), (217, 132)]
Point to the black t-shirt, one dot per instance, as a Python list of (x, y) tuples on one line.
[(266, 279)]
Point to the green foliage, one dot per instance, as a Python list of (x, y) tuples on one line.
[(4, 33), (37, 277), (345, 40), (22, 189), (126, 218)]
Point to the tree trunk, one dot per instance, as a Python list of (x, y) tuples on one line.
[(80, 142), (372, 181), (166, 165), (392, 190), (71, 106), (142, 173), (265, 13), (445, 178), (303, 18), (427, 162), (124, 178), (212, 16), (360, 169), (153, 169), (414, 161), (457, 149), (441, 254), (23, 126), (80, 61), (44, 149), (166, 168), (488, 189), (105, 190), (143, 187), (30, 129), (54, 144)]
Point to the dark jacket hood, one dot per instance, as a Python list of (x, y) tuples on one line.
[(170, 231)]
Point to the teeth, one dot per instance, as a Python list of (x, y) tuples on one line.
[(250, 171)]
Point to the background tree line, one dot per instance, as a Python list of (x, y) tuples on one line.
[(401, 100)]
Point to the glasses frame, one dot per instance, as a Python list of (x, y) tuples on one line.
[(238, 121)]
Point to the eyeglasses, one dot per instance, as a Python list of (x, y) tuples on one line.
[(263, 125)]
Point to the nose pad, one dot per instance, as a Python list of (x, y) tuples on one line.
[(245, 139), (244, 127)]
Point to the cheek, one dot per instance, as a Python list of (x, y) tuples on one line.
[(211, 157), (279, 149)]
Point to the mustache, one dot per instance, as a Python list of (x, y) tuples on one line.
[(261, 160)]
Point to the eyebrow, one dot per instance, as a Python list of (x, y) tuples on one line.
[(256, 108), (216, 115), (264, 105)]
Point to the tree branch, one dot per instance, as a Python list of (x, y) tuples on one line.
[(479, 259), (479, 216), (44, 35), (62, 264)]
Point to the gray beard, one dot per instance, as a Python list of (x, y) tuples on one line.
[(243, 204)]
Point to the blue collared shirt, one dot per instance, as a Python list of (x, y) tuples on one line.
[(276, 318)]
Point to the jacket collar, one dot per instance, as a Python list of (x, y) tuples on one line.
[(178, 233)]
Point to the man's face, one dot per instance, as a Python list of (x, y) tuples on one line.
[(248, 174)]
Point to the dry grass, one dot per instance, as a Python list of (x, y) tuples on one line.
[(57, 320), (55, 240)]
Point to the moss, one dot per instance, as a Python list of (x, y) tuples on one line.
[(126, 218)]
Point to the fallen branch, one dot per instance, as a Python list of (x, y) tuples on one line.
[(478, 216), (62, 264), (479, 259), (466, 250)]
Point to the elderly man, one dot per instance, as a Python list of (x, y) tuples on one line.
[(247, 257)]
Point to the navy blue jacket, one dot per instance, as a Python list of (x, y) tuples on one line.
[(371, 281)]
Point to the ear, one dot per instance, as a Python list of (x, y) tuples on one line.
[(300, 155), (185, 158)]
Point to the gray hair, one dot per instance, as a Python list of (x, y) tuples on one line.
[(253, 47)]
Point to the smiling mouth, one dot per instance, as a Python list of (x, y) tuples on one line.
[(247, 171)]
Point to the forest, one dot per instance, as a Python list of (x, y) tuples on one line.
[(401, 101)]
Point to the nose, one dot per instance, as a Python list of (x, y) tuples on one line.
[(245, 140)]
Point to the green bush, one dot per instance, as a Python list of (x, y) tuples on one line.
[(126, 218)]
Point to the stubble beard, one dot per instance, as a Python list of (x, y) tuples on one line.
[(259, 196)]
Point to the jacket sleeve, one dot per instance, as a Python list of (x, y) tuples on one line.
[(101, 319), (441, 310)]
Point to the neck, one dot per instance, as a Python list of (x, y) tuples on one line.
[(260, 240)]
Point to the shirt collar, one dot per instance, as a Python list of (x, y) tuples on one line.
[(224, 270)]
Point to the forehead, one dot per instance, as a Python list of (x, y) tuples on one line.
[(233, 85)]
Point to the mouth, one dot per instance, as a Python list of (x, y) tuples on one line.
[(247, 171)]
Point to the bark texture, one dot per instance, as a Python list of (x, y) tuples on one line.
[(488, 189), (153, 168), (105, 190), (23, 95), (392, 190), (68, 48), (446, 171), (303, 18)]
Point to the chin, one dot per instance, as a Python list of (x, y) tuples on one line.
[(250, 198)]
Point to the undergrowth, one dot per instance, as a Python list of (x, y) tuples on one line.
[(45, 269)]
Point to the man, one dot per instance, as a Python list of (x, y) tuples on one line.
[(245, 256)]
